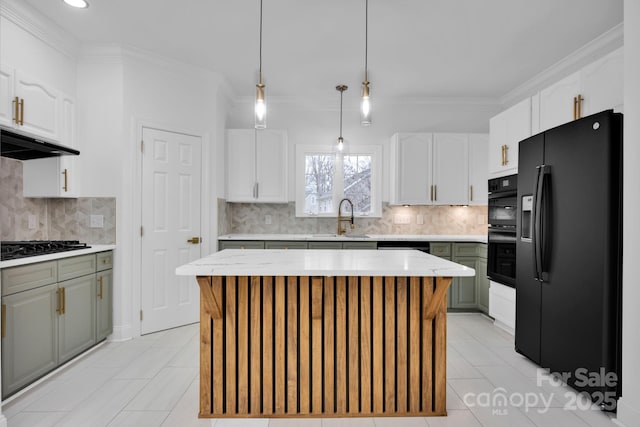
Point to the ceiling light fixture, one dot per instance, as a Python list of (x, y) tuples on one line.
[(341, 89), (80, 4), (261, 107), (365, 107)]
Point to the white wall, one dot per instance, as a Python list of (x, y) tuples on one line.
[(121, 90), (629, 404), (320, 124)]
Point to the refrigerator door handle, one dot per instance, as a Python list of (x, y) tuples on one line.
[(540, 220)]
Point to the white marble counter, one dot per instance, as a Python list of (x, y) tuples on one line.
[(56, 256), (311, 262), (360, 237)]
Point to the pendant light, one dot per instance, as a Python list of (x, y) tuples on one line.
[(365, 106), (260, 107), (341, 89)]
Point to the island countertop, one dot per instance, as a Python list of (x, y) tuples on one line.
[(316, 262)]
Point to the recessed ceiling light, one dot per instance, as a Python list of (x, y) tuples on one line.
[(80, 4)]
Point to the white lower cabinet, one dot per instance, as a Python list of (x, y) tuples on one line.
[(51, 313), (502, 306)]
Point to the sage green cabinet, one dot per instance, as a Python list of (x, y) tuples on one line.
[(51, 312), (77, 321), (359, 244), (324, 245), (466, 293), (240, 244), (30, 336), (283, 244)]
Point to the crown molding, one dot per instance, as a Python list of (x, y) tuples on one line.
[(39, 26), (598, 47)]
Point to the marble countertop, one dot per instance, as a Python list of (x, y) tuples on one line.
[(361, 237), (310, 262), (56, 256)]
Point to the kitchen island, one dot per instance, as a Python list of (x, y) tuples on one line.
[(322, 333)]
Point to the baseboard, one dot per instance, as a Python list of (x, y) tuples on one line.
[(627, 416), (504, 327)]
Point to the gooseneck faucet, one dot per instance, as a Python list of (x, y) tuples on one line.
[(342, 219)]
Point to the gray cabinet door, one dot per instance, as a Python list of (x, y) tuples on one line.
[(104, 304), (77, 323), (29, 348), (464, 292), (483, 285)]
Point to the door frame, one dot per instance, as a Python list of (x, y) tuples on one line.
[(206, 218)]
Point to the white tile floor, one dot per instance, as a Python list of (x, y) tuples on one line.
[(152, 381)]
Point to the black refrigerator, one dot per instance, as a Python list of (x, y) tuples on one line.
[(569, 253)]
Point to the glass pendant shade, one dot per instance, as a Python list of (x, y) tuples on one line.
[(365, 106), (260, 107), (340, 144)]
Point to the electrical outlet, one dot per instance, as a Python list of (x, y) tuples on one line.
[(33, 222), (419, 219), (401, 219), (96, 221), (267, 219)]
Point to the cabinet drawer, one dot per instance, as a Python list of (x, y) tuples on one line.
[(69, 268), (440, 249), (240, 244), (104, 260), (285, 245), (470, 250), (30, 276), (325, 245), (359, 245)]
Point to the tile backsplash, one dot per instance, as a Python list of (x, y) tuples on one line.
[(50, 219), (252, 218)]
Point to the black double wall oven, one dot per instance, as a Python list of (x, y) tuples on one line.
[(501, 248)]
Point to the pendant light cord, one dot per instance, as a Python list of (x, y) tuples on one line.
[(366, 38), (341, 91), (260, 40)]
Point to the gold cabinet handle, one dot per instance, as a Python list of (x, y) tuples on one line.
[(435, 193), (505, 150), (100, 287), (502, 153), (194, 240), (577, 107), (4, 321), (431, 193), (16, 110), (471, 193), (66, 180), (21, 111), (59, 301)]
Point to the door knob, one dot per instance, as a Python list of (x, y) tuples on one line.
[(194, 240)]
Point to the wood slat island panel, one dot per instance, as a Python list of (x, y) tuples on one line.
[(343, 346)]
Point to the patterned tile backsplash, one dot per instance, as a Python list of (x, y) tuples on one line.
[(250, 218), (55, 219)]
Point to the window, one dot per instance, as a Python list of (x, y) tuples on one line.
[(324, 177)]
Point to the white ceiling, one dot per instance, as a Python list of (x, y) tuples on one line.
[(417, 48)]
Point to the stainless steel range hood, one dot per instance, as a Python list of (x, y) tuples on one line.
[(23, 147)]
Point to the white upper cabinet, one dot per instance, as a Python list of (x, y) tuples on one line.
[(596, 87), (50, 177), (450, 169), (257, 166), (29, 105), (411, 158), (433, 169), (478, 177), (506, 130), (39, 106)]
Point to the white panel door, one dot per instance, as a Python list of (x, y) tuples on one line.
[(450, 169), (413, 168), (171, 181)]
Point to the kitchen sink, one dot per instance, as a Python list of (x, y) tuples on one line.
[(352, 236)]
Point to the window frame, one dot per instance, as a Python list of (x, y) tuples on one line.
[(375, 151)]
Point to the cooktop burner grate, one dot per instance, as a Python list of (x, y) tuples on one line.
[(22, 249)]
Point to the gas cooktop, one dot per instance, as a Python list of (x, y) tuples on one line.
[(22, 249)]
